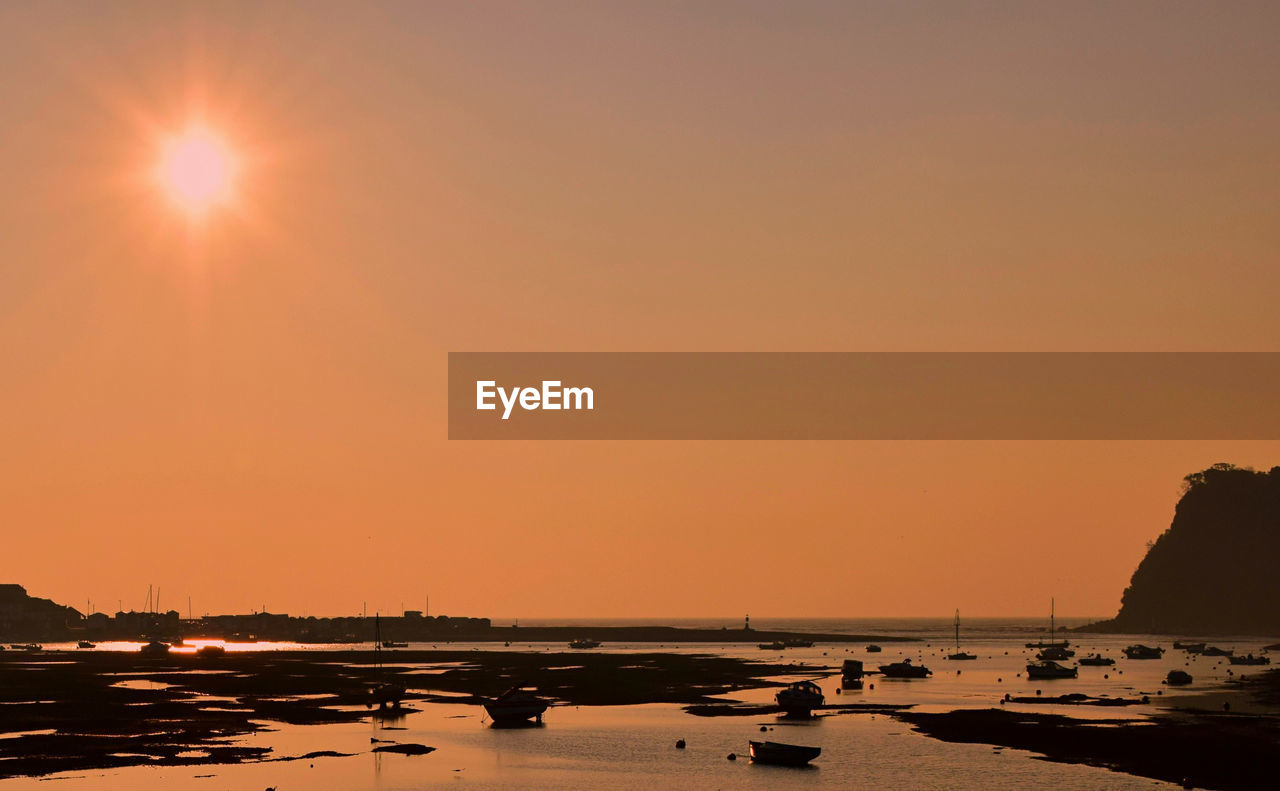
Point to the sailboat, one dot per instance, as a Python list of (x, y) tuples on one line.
[(385, 694), (1054, 649), (958, 653)]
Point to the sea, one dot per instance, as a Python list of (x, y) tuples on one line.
[(599, 748)]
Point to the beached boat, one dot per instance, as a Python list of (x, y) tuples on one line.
[(959, 655), (1143, 652), (583, 642), (905, 669), (776, 645), (1213, 650), (800, 698), (783, 754), (1178, 678), (154, 648), (514, 706), (1045, 670), (1097, 660), (1190, 648), (1250, 660), (85, 644)]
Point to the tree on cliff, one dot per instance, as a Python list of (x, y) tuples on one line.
[(1216, 570)]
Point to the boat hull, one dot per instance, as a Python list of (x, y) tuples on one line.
[(779, 754)]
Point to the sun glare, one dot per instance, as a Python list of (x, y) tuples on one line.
[(196, 170)]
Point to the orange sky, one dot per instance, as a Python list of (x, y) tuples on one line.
[(250, 410)]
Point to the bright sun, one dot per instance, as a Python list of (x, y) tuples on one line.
[(196, 170)]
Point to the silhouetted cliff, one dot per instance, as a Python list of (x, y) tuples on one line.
[(1216, 570)]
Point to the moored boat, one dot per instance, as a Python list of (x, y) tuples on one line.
[(154, 648), (584, 642), (874, 649), (959, 655), (1250, 660), (800, 698), (210, 651), (783, 754), (1055, 654), (85, 644), (1097, 660), (514, 706), (1190, 648), (1047, 670), (905, 669), (776, 645), (1143, 652), (796, 642), (1178, 678), (1213, 650)]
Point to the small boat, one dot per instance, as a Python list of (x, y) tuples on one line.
[(1190, 648), (800, 698), (795, 642), (1046, 670), (1143, 652), (852, 668), (583, 642), (1055, 654), (959, 655), (514, 706), (393, 644), (783, 754), (1097, 660), (210, 651), (1178, 678), (874, 649), (1213, 650), (776, 645), (1053, 644), (1250, 660), (85, 644), (905, 669), (28, 647), (154, 648)]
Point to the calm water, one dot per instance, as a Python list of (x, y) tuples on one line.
[(599, 748)]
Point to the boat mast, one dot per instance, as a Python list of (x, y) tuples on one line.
[(1052, 628), (957, 630)]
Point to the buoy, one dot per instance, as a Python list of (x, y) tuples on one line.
[(732, 757), (679, 744), (763, 729)]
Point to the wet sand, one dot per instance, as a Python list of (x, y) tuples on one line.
[(1195, 743), (68, 710)]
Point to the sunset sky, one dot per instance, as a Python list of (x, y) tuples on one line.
[(244, 401)]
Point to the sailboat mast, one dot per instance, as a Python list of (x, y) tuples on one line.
[(1052, 627), (957, 630)]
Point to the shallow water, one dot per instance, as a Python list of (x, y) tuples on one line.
[(623, 747)]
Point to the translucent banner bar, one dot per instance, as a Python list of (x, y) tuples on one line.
[(864, 395)]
